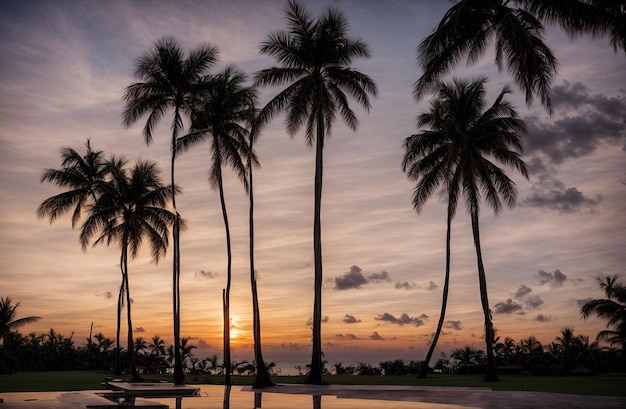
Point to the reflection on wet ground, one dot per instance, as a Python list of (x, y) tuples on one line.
[(345, 397)]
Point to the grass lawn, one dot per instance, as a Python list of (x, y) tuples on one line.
[(81, 380)]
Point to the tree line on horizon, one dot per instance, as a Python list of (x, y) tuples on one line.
[(461, 136), (567, 354)]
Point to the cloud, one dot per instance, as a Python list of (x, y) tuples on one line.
[(402, 320), (555, 279), (205, 275), (533, 302), (107, 294), (350, 319), (405, 285), (354, 279), (507, 307), (581, 122), (346, 336), (522, 291), (376, 336), (377, 277), (294, 346), (455, 325), (139, 330), (309, 323), (543, 318), (431, 286), (569, 200), (582, 301)]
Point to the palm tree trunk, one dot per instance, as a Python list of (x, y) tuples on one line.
[(482, 280), (226, 292), (315, 375), (179, 376), (117, 369), (423, 371), (262, 376)]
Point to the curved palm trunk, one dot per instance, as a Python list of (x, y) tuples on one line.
[(482, 280), (226, 292), (117, 370), (179, 376), (315, 375), (262, 376), (423, 371), (124, 268)]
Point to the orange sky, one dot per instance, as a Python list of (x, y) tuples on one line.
[(62, 78)]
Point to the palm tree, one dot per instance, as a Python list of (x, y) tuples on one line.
[(79, 174), (221, 118), (457, 149), (315, 57), (612, 309), (130, 207), (169, 80), (262, 371), (9, 322), (157, 346), (470, 26), (426, 160)]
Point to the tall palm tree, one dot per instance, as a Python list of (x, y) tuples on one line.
[(221, 118), (130, 208), (612, 308), (169, 79), (470, 26), (460, 143), (262, 370), (80, 174), (9, 322), (314, 57), (427, 161)]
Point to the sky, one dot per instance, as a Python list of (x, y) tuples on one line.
[(64, 68)]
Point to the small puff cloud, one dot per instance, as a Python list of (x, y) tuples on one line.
[(402, 320), (555, 279), (205, 275), (355, 278), (346, 336), (507, 307), (350, 319), (376, 336), (452, 324)]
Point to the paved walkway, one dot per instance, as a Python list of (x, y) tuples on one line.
[(343, 397), (483, 398)]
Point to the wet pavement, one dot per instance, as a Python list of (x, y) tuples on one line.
[(345, 397)]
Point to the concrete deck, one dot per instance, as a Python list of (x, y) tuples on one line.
[(346, 397)]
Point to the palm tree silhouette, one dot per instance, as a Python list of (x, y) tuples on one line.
[(315, 57), (9, 322), (612, 309), (221, 118), (460, 142), (470, 26), (262, 370), (169, 80), (130, 206), (79, 174)]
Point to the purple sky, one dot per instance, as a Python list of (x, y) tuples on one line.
[(64, 68)]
